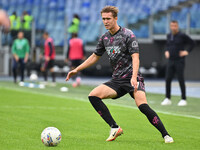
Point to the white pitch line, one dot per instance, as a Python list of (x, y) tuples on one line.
[(84, 100), (42, 107)]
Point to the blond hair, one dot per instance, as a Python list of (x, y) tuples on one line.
[(114, 10)]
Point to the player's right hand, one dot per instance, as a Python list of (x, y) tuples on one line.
[(70, 74), (16, 58), (167, 55)]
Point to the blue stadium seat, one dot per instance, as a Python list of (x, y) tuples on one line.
[(159, 26), (50, 14)]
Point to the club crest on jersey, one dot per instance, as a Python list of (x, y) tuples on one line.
[(112, 50), (134, 44)]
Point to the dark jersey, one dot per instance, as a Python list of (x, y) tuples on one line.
[(119, 48), (176, 43)]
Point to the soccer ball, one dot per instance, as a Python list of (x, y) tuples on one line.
[(51, 136), (33, 77)]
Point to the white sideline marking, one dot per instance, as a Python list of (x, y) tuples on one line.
[(42, 107), (84, 100)]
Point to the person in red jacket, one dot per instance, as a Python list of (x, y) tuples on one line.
[(75, 55), (49, 57)]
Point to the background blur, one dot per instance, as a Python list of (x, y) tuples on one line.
[(148, 19)]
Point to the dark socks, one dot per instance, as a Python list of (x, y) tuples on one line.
[(45, 75), (103, 111), (153, 118), (53, 77)]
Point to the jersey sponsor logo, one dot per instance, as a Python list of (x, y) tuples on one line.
[(134, 44), (113, 50)]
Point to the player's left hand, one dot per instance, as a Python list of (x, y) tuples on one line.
[(25, 60), (47, 58), (183, 53), (134, 83), (70, 74)]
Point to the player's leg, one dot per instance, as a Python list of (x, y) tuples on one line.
[(169, 76), (14, 69), (180, 74), (44, 70), (141, 102), (22, 68), (95, 97), (53, 75)]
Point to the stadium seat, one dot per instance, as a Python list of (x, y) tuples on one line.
[(50, 14)]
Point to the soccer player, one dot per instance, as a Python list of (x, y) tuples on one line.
[(75, 55), (20, 51), (175, 53), (123, 51), (49, 57)]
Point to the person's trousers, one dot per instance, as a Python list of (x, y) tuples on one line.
[(175, 67), (15, 67)]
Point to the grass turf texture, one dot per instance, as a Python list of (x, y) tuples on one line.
[(25, 112)]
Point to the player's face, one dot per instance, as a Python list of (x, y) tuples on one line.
[(44, 36), (108, 20), (20, 35), (174, 27)]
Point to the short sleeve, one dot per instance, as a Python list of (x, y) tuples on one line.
[(132, 44), (100, 49)]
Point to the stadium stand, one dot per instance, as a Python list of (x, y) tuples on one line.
[(51, 15)]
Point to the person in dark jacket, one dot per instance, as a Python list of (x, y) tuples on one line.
[(176, 53)]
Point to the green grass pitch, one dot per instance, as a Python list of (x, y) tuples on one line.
[(25, 112)]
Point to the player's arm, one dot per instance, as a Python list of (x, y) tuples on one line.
[(14, 51), (27, 52), (50, 48), (191, 44), (87, 63), (26, 57), (167, 54), (135, 65)]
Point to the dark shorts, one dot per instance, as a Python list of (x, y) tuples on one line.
[(75, 63), (48, 64), (123, 86)]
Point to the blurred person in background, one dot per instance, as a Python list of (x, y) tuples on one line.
[(175, 54), (75, 55), (49, 57), (26, 21), (4, 21), (20, 51), (15, 25), (74, 27)]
